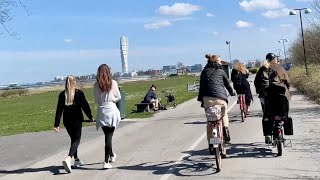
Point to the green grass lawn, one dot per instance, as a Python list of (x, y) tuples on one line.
[(36, 112)]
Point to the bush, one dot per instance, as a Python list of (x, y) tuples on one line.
[(173, 75), (254, 70), (16, 92)]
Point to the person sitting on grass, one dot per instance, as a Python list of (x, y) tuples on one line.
[(151, 98)]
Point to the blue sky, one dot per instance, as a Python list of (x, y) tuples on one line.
[(62, 37)]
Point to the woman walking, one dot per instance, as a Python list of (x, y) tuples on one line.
[(106, 95), (71, 102)]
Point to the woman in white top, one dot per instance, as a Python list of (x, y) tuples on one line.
[(106, 95)]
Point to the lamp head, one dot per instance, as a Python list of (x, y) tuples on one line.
[(292, 12), (307, 11)]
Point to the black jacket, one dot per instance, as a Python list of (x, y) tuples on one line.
[(72, 115), (241, 84), (214, 82), (150, 95), (261, 81)]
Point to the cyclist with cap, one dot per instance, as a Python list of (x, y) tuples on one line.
[(267, 84)]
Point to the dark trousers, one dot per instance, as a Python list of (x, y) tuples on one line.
[(74, 132), (108, 133), (266, 124)]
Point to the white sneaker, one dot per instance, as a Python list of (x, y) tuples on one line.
[(107, 165), (67, 165), (78, 163), (113, 158)]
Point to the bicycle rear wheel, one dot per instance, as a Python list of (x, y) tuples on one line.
[(243, 116), (279, 146), (218, 158)]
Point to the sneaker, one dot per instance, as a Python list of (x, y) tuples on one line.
[(78, 163), (67, 165), (226, 134), (107, 165), (113, 158), (211, 150), (267, 139)]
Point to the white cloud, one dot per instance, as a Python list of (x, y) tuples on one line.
[(286, 25), (178, 9), (157, 24), (216, 33), (243, 24), (276, 13), (262, 29), (67, 40), (210, 15), (261, 4)]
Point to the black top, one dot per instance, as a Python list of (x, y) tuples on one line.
[(213, 82), (241, 84), (72, 114), (261, 81), (150, 95)]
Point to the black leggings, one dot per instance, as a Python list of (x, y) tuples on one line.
[(108, 133), (74, 132)]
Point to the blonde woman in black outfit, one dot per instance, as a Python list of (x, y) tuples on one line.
[(71, 102)]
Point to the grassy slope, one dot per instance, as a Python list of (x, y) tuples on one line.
[(36, 112)]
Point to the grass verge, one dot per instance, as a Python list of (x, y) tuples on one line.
[(34, 113), (309, 85)]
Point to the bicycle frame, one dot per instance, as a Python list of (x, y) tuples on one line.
[(242, 103)]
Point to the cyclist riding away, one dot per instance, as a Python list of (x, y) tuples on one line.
[(239, 76), (272, 79), (213, 85)]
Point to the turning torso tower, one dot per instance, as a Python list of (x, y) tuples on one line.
[(124, 54)]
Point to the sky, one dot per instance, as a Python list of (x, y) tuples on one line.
[(62, 37)]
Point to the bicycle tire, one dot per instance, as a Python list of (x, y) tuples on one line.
[(279, 146), (242, 115), (218, 159)]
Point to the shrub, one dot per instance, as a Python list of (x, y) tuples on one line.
[(308, 85), (16, 92), (254, 70)]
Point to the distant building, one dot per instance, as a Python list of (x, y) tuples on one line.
[(196, 68), (181, 72), (58, 78), (170, 69), (124, 54)]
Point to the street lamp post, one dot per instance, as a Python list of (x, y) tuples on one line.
[(306, 11), (284, 48)]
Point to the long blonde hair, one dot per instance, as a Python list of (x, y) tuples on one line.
[(70, 90), (241, 68)]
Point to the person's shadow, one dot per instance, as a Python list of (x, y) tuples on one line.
[(55, 170), (251, 150)]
